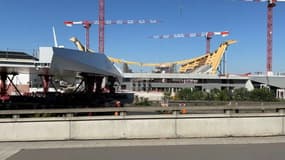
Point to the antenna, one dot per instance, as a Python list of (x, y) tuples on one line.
[(54, 37)]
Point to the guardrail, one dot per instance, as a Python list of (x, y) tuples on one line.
[(187, 109), (225, 103)]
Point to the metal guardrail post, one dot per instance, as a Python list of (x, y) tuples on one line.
[(15, 116), (228, 111), (281, 111), (175, 112), (69, 115), (123, 113)]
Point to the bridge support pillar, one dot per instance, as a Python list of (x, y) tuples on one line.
[(46, 80), (90, 81), (98, 81), (3, 87)]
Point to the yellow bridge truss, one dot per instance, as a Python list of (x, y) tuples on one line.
[(212, 60)]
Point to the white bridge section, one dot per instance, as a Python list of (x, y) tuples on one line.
[(67, 62)]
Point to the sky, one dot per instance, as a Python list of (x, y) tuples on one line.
[(26, 25)]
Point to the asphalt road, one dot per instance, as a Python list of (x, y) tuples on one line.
[(268, 151)]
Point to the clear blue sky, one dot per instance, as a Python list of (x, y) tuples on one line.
[(27, 24)]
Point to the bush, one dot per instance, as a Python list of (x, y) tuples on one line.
[(166, 95), (142, 102), (219, 95), (241, 94), (184, 94), (191, 94), (262, 94)]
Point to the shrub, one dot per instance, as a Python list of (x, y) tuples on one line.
[(240, 94), (262, 94), (191, 94)]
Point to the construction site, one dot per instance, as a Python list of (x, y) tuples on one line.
[(93, 78)]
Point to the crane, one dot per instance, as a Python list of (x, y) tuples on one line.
[(101, 22), (207, 35), (87, 25), (271, 4), (101, 29)]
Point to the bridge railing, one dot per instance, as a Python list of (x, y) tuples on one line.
[(230, 108), (223, 103)]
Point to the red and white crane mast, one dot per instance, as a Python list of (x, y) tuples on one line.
[(271, 4), (101, 25)]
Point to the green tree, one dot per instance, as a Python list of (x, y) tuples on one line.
[(219, 95), (262, 94), (191, 94), (184, 94), (198, 95), (225, 95), (241, 94), (166, 95)]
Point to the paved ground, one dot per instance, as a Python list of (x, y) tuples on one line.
[(260, 148), (179, 152)]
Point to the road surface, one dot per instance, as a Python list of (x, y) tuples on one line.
[(260, 148)]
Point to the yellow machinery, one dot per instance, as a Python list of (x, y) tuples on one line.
[(211, 60)]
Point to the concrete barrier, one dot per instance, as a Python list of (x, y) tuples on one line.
[(30, 131), (98, 129), (149, 126), (223, 127), (132, 127)]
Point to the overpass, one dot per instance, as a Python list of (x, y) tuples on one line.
[(217, 121)]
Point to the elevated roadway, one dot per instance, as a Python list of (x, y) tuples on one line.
[(143, 126)]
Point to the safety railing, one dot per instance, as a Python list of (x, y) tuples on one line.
[(136, 110)]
